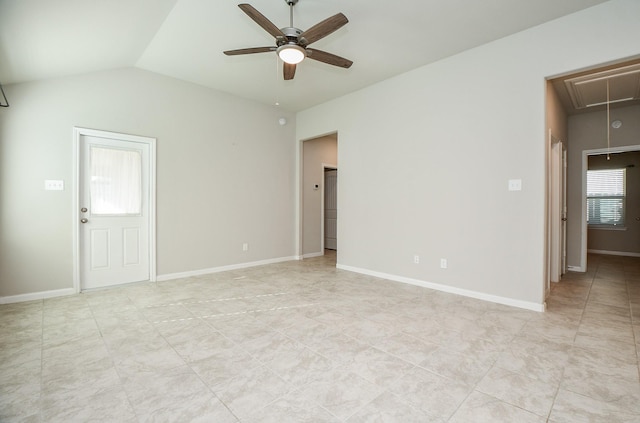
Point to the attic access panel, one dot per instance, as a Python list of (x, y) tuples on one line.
[(591, 90)]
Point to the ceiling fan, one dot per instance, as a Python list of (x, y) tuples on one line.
[(291, 43)]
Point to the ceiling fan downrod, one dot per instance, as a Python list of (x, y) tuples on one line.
[(291, 3)]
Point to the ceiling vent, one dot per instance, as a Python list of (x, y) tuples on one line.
[(591, 90)]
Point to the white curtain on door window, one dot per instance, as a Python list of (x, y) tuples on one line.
[(116, 181)]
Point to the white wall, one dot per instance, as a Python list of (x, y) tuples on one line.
[(425, 157), (315, 153), (225, 173)]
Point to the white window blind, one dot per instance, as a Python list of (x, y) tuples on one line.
[(606, 197)]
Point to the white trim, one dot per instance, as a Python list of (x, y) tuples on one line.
[(311, 255), (152, 210), (585, 167), (614, 253), (299, 197), (190, 273), (151, 142), (33, 296), (575, 269), (450, 289), (75, 212)]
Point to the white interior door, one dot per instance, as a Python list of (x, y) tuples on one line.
[(330, 209), (114, 196), (556, 209)]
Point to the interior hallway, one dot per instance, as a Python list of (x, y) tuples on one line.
[(304, 342)]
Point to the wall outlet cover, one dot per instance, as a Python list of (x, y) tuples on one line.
[(54, 185), (515, 184)]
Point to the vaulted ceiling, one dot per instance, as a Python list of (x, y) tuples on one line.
[(184, 39)]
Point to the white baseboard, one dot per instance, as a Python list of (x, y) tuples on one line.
[(614, 253), (450, 289), (575, 269), (37, 296), (311, 255), (171, 276)]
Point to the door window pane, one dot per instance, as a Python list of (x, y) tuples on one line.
[(116, 181)]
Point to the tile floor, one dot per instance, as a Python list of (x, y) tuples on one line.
[(304, 342)]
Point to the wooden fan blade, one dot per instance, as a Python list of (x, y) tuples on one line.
[(289, 71), (249, 50), (324, 28), (261, 20), (328, 58)]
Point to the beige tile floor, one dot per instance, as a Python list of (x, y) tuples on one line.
[(304, 342)]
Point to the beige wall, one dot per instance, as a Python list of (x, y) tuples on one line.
[(588, 131), (625, 241), (556, 115), (225, 173), (315, 152), (425, 158)]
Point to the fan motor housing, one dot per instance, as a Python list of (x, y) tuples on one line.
[(292, 35)]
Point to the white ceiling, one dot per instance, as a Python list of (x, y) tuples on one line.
[(184, 39)]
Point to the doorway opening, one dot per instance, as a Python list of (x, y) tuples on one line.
[(622, 239), (319, 157), (585, 108)]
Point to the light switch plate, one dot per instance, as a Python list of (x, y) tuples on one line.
[(515, 184), (54, 185)]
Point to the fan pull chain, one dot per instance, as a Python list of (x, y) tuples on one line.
[(277, 85)]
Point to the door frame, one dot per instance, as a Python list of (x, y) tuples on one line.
[(78, 133), (557, 208), (325, 166)]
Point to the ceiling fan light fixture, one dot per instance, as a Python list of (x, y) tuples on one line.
[(291, 53), (291, 42)]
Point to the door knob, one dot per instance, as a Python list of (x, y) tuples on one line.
[(83, 210), (84, 220)]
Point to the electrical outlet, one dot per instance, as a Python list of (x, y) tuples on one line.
[(53, 185), (515, 184), (416, 259), (443, 263), (245, 247)]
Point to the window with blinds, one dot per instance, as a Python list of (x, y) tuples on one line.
[(606, 197)]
